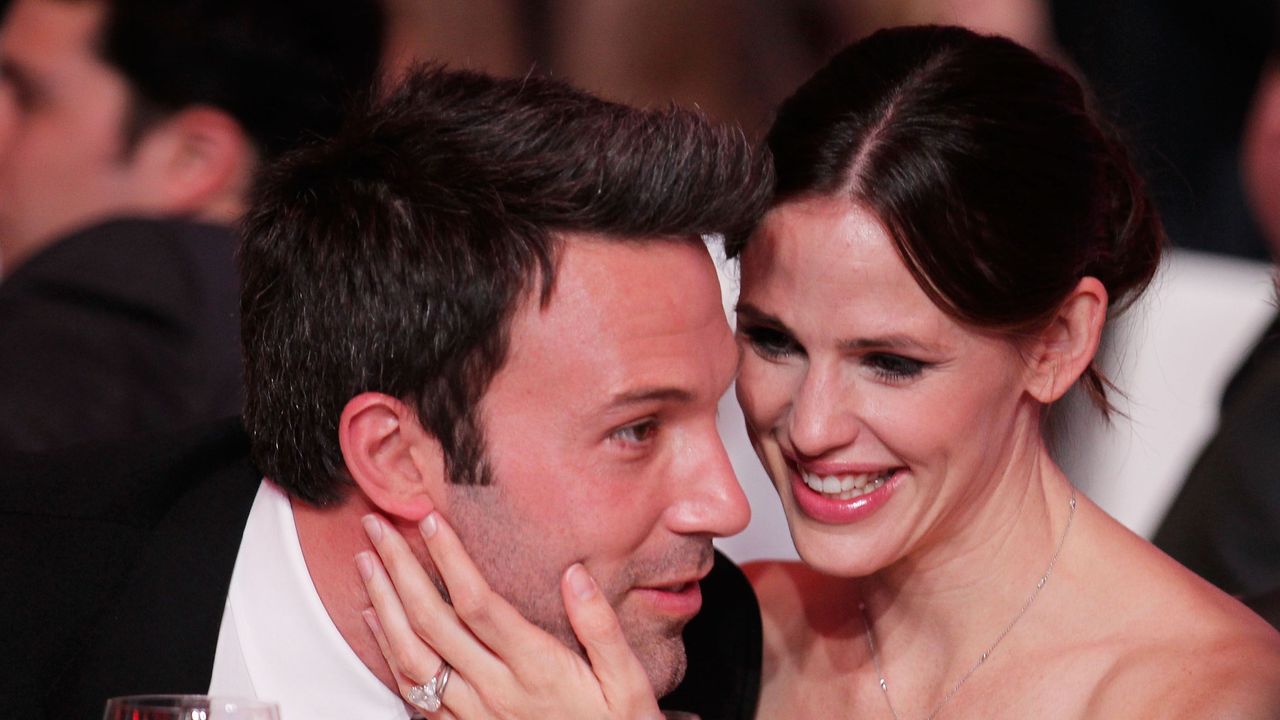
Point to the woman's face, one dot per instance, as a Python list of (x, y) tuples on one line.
[(884, 424)]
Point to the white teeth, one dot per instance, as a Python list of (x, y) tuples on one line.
[(843, 487)]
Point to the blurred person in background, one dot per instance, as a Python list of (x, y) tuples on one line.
[(1225, 522), (130, 132)]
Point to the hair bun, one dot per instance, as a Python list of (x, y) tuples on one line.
[(1130, 235)]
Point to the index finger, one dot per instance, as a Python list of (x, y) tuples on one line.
[(488, 615), (405, 598), (622, 677)]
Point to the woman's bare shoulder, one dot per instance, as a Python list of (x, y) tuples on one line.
[(1172, 645), (785, 586), (795, 599), (796, 605), (1231, 677), (1197, 653), (778, 575)]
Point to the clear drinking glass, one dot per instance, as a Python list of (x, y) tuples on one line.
[(188, 707)]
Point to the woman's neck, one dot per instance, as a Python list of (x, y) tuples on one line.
[(949, 601)]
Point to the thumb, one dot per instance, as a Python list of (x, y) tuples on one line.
[(622, 678)]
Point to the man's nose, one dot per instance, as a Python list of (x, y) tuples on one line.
[(707, 498)]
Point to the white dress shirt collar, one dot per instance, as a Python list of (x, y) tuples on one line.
[(278, 642)]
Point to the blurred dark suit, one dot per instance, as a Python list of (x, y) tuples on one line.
[(1225, 522), (128, 327), (117, 562)]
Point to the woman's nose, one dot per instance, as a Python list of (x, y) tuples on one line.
[(821, 417)]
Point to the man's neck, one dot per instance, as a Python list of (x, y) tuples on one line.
[(330, 539)]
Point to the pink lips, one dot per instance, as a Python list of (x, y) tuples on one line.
[(684, 600), (829, 510)]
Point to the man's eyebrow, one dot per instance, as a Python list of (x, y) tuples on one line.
[(649, 394), (756, 315)]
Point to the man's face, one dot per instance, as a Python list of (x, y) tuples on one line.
[(601, 431), (63, 161)]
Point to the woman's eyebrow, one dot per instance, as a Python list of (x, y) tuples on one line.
[(888, 342)]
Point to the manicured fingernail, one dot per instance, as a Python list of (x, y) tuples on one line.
[(372, 527), (371, 619), (429, 525), (364, 563), (580, 582)]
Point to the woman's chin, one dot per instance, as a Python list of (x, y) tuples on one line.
[(836, 562), (833, 550)]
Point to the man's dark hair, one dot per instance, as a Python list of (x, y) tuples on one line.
[(392, 257), (284, 69)]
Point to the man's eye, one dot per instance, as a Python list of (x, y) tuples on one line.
[(768, 342), (895, 368), (636, 433)]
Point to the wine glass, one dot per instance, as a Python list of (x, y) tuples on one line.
[(188, 707)]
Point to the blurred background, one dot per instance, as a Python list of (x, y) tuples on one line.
[(1176, 75)]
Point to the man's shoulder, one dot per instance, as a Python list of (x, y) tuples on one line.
[(138, 261), (127, 327), (728, 584), (105, 529), (127, 482)]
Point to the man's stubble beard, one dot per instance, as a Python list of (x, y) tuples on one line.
[(498, 542)]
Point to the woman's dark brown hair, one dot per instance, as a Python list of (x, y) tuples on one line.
[(999, 186)]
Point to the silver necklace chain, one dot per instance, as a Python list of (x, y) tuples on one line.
[(1044, 579)]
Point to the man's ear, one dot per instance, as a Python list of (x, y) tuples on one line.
[(196, 163), (397, 464), (1061, 352), (1260, 157)]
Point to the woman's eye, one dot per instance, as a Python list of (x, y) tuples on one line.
[(770, 343), (636, 433), (895, 368)]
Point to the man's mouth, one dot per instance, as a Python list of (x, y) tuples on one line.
[(674, 587), (847, 486), (681, 596)]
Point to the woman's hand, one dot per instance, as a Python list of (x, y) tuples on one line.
[(503, 665)]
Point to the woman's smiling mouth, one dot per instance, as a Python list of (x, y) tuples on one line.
[(842, 494)]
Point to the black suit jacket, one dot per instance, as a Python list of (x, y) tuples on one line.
[(127, 327), (1225, 522), (119, 560)]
